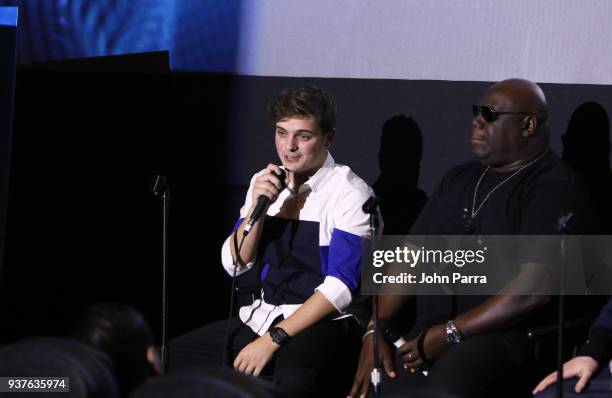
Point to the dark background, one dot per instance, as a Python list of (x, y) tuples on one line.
[(82, 224), (8, 34)]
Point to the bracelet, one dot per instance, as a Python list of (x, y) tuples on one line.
[(420, 342), (366, 334)]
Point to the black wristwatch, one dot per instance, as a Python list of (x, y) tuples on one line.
[(279, 336)]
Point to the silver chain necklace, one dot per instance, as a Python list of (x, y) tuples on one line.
[(474, 210)]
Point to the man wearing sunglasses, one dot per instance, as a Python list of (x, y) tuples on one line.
[(477, 346)]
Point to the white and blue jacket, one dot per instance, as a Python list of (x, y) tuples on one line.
[(320, 251)]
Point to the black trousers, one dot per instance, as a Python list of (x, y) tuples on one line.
[(319, 361), (490, 365)]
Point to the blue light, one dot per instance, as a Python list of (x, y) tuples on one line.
[(199, 35), (8, 16)]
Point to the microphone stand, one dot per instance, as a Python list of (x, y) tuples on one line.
[(160, 188), (371, 207), (561, 227), (377, 369)]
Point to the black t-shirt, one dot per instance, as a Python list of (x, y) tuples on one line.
[(528, 203)]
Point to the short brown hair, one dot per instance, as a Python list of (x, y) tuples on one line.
[(304, 102)]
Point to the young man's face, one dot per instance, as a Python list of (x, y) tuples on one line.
[(301, 145)]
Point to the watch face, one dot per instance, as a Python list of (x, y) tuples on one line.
[(453, 335), (278, 335), (275, 336)]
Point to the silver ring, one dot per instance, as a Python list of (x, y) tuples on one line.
[(409, 356)]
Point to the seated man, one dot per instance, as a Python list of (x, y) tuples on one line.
[(110, 352), (90, 371), (122, 332), (470, 344), (309, 248), (593, 358)]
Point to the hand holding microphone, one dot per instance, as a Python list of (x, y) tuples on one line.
[(265, 192), (394, 336), (390, 332)]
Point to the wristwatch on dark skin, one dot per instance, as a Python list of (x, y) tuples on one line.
[(453, 334)]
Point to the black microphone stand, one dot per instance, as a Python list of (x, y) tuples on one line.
[(562, 228), (371, 207), (160, 188)]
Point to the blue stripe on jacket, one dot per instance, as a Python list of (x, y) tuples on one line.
[(343, 260)]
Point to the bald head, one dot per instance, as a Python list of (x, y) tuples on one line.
[(514, 130), (523, 95)]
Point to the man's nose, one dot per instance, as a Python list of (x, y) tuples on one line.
[(477, 122), (291, 144)]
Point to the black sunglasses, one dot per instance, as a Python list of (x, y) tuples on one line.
[(489, 114)]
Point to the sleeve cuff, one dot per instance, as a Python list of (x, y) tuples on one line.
[(228, 261), (599, 346), (336, 292)]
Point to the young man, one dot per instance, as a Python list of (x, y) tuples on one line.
[(308, 245)]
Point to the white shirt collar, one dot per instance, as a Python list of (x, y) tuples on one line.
[(313, 182)]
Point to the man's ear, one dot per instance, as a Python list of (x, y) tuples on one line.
[(530, 125), (154, 359), (330, 137)]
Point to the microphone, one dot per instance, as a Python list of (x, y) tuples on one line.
[(563, 221), (394, 337), (370, 206), (390, 333), (263, 202), (158, 185)]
